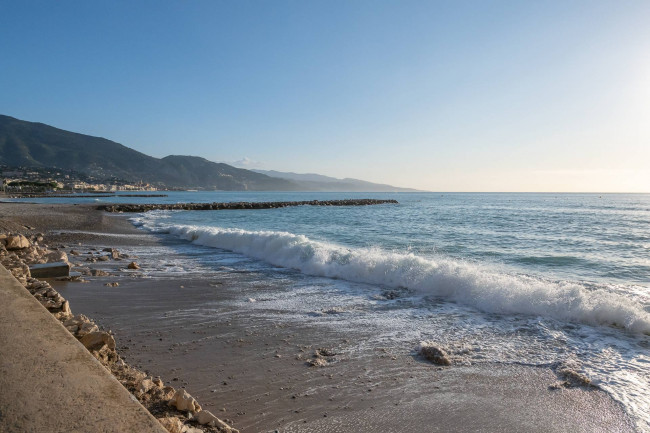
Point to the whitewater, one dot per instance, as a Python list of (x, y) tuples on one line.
[(534, 279)]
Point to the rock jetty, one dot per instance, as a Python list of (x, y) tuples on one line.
[(240, 205)]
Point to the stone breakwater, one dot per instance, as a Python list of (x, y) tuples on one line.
[(240, 205), (175, 409)]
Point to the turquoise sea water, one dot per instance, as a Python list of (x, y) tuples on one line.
[(536, 279)]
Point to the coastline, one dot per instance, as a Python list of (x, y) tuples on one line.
[(256, 370)]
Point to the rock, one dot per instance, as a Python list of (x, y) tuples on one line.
[(114, 284), (205, 417), (190, 429), (55, 256), (147, 385), (86, 328), (106, 355), (17, 242), (76, 320), (184, 402), (167, 392), (172, 424), (75, 252), (72, 328), (103, 258), (98, 339), (98, 273), (75, 278), (434, 354), (133, 265)]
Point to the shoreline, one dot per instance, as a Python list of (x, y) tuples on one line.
[(268, 383)]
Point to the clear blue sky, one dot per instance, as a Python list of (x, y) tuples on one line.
[(446, 96)]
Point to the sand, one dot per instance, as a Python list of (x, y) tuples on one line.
[(254, 371)]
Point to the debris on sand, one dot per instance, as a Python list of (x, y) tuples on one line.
[(434, 353), (317, 362), (568, 372), (98, 273), (321, 357)]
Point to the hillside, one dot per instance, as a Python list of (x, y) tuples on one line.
[(30, 144)]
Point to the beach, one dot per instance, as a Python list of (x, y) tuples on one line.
[(214, 332)]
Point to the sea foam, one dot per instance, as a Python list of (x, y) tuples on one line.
[(452, 280)]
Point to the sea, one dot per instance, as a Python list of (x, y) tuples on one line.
[(540, 279)]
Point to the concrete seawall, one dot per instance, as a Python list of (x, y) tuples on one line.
[(50, 382)]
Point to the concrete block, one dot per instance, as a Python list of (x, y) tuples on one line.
[(50, 270)]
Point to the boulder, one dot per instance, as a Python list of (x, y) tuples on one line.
[(17, 242), (172, 424), (205, 417), (55, 256), (76, 320), (86, 328), (147, 384), (167, 392), (98, 339), (133, 265), (106, 355), (184, 402)]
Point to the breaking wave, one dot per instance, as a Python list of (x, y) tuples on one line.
[(453, 280)]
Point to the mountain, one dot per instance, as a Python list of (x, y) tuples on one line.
[(319, 182), (194, 170), (30, 144)]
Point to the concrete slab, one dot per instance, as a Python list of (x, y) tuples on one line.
[(50, 382), (50, 270)]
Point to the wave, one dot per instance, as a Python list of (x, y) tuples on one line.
[(466, 283)]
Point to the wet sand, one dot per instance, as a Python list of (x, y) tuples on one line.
[(251, 368)]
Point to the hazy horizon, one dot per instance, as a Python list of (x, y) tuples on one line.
[(437, 96)]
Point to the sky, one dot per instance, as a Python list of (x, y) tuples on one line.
[(435, 95)]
